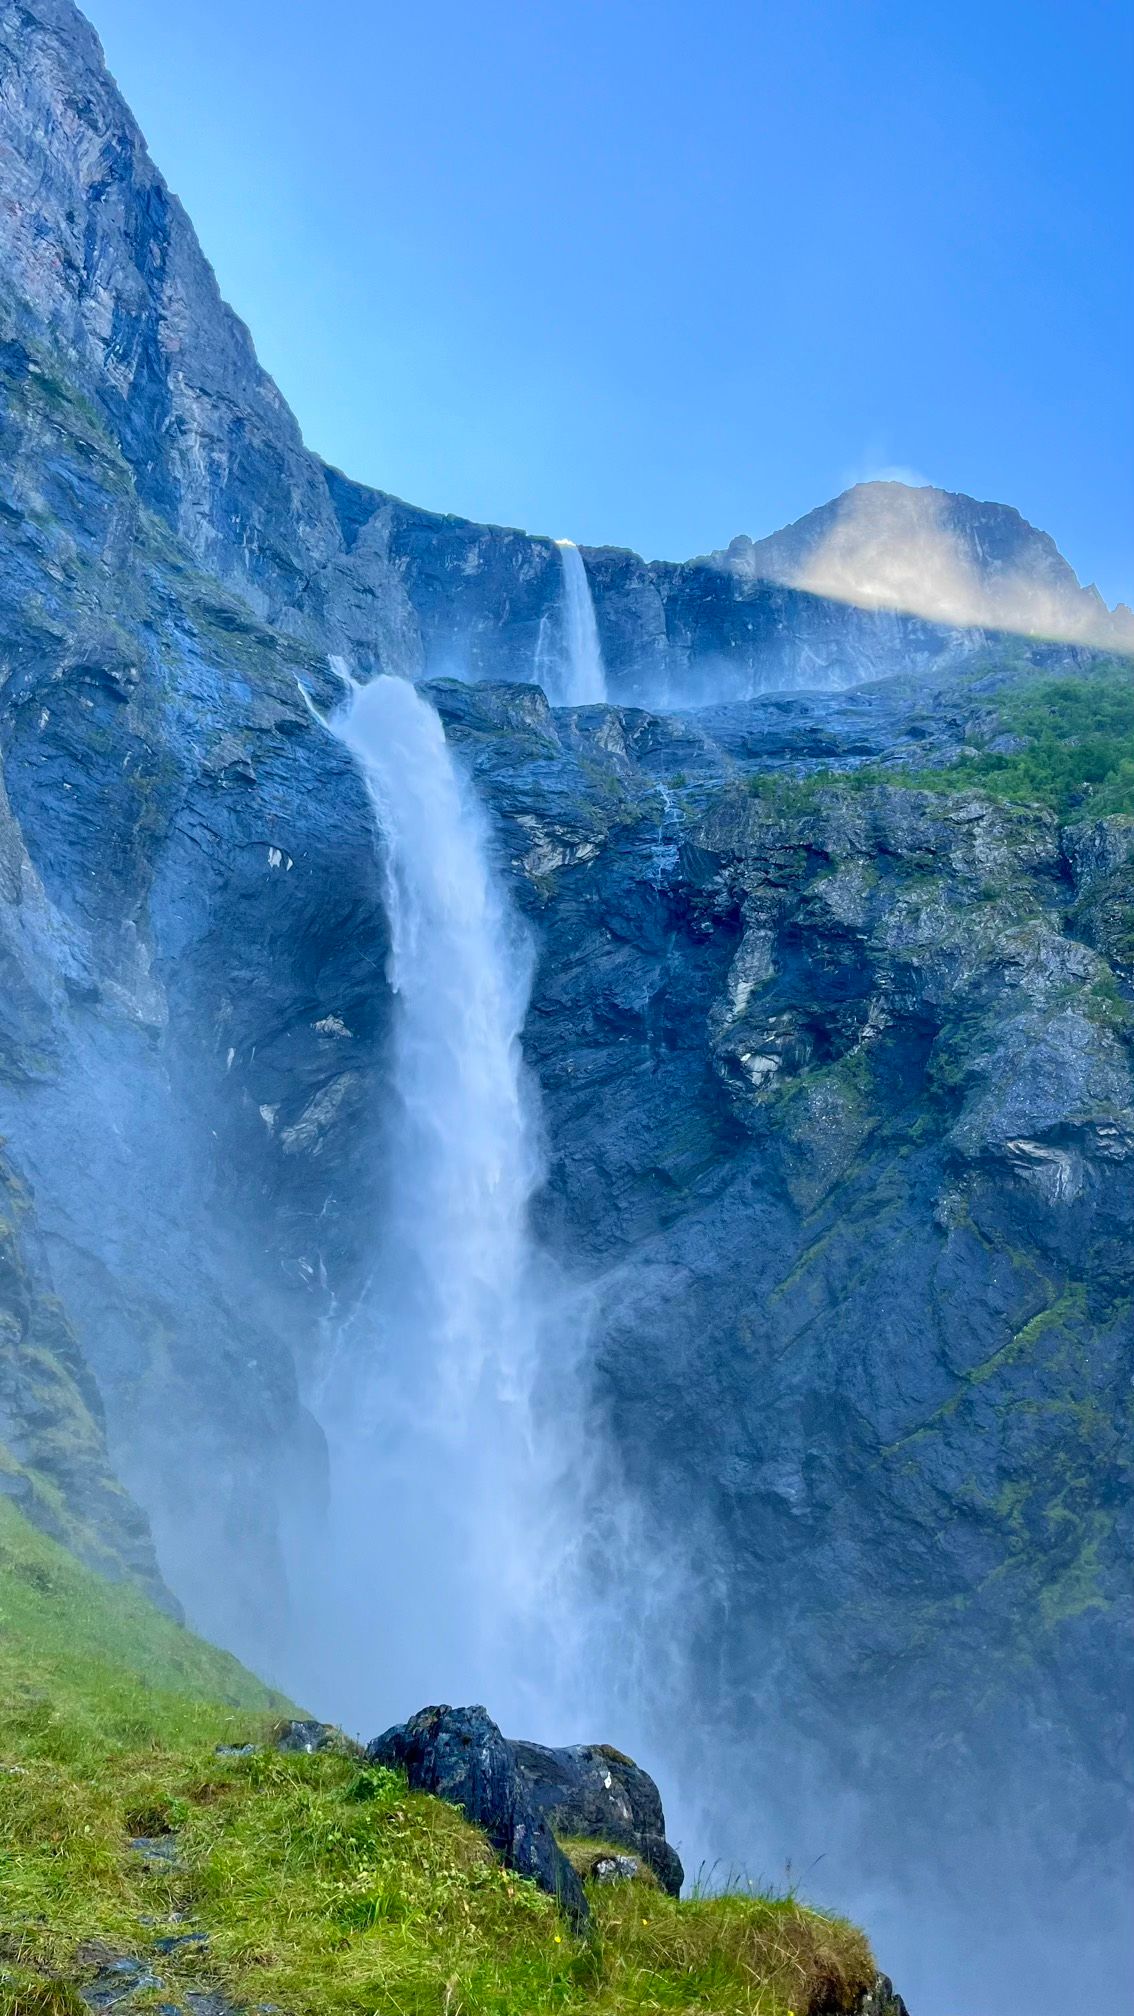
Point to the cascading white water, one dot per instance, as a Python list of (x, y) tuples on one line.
[(460, 972), (443, 1491), (585, 678), (479, 1543)]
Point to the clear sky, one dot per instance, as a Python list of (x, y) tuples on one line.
[(656, 273)]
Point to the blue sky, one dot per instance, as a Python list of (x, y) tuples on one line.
[(656, 274)]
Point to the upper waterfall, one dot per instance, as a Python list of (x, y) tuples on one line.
[(584, 675)]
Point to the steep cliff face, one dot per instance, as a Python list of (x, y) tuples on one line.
[(838, 1084), (836, 1073)]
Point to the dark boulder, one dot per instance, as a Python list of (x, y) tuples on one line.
[(882, 2000), (459, 1755), (594, 1791)]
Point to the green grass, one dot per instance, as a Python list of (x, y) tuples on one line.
[(325, 1887)]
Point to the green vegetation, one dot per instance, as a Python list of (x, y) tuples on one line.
[(1077, 756), (324, 1888), (785, 793)]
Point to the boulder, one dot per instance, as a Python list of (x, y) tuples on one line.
[(460, 1755), (592, 1790), (882, 2000), (615, 1869)]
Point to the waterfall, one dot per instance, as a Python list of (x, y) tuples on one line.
[(442, 1488), (480, 1543), (585, 679)]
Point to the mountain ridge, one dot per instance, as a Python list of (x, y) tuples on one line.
[(107, 262)]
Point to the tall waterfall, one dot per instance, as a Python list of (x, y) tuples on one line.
[(585, 677), (443, 1489)]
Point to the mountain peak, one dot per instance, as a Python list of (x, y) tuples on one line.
[(938, 554)]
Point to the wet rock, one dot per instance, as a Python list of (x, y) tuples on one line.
[(614, 1869), (592, 1790), (125, 1982), (116, 1982), (306, 1738), (460, 1755), (159, 1851)]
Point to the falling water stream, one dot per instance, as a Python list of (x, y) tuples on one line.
[(441, 1553), (584, 676)]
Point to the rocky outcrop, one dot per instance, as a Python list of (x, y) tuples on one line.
[(838, 1076), (459, 1754), (882, 2000), (309, 1739), (592, 1791)]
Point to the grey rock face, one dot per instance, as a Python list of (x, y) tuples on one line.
[(841, 1100), (615, 1869), (306, 1739), (593, 1791), (460, 1755)]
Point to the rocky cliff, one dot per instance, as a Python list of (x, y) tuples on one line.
[(836, 1068), (843, 1068)]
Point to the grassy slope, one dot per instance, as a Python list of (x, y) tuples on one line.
[(325, 1888)]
